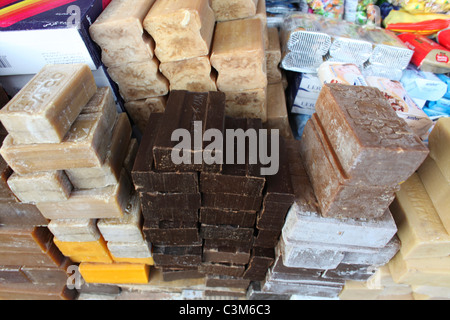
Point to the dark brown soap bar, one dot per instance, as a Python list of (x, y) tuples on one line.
[(227, 245), (171, 237), (170, 224), (260, 262), (145, 176), (162, 260), (154, 216), (243, 219), (180, 201), (27, 240), (196, 113), (16, 214), (3, 98), (336, 197), (266, 238), (226, 232), (231, 201), (226, 282), (12, 274), (373, 144), (239, 176), (225, 255), (181, 274), (221, 269)]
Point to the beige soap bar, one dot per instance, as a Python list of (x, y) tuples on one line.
[(181, 29), (45, 109), (420, 229), (238, 55), (134, 250), (125, 229), (192, 74), (41, 186), (109, 202), (438, 188), (140, 80), (140, 110), (234, 9), (120, 33), (86, 142), (438, 142), (277, 114), (273, 56), (261, 14), (75, 230), (109, 173), (247, 104), (416, 272)]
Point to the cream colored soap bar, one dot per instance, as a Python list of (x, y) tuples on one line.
[(419, 227), (109, 173), (234, 9), (75, 230), (85, 145), (277, 115), (109, 202), (247, 104), (438, 142), (135, 250), (273, 55), (416, 272), (238, 55), (41, 186), (181, 29), (191, 74), (125, 229), (140, 110), (438, 188), (120, 33), (45, 109), (140, 80)]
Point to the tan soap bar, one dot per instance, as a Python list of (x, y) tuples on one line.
[(85, 142), (181, 29), (277, 114), (416, 272), (45, 109), (192, 74), (247, 104), (109, 202), (120, 33), (273, 56), (438, 188), (6, 195), (234, 9), (135, 250), (41, 186), (125, 229), (75, 230), (140, 110), (420, 229), (238, 55), (140, 80), (438, 142), (109, 173)]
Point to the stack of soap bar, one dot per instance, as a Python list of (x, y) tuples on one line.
[(238, 55), (181, 30), (128, 52), (362, 145), (234, 9)]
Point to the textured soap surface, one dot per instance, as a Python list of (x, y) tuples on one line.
[(247, 104), (45, 109), (234, 9), (238, 55), (85, 141), (140, 110), (181, 29), (120, 33), (374, 146), (438, 142)]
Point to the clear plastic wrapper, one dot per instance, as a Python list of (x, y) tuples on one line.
[(326, 8), (423, 6), (382, 71), (300, 62)]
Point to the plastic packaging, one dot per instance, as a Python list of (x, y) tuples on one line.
[(423, 6), (340, 72), (423, 85)]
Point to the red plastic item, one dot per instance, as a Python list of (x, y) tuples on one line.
[(443, 37)]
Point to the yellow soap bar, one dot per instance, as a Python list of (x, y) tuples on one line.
[(234, 9), (93, 251), (115, 273), (419, 227), (438, 188), (45, 109), (181, 29), (238, 55), (417, 272), (148, 261), (439, 142)]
